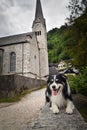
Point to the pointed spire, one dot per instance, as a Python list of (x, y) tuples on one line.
[(39, 13)]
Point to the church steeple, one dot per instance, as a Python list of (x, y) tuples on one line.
[(39, 13), (39, 29)]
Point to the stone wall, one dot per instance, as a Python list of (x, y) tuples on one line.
[(62, 121), (12, 85)]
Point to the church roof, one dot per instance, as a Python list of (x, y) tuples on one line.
[(15, 39)]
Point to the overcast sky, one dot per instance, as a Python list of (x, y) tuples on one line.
[(16, 16)]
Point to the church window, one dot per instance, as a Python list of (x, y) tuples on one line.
[(12, 61), (38, 33)]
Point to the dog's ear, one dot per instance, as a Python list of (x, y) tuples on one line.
[(64, 76), (46, 77)]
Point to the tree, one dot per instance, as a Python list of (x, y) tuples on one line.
[(77, 41), (76, 8)]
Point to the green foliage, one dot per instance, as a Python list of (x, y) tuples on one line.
[(56, 49), (77, 42), (77, 46), (69, 42), (79, 83), (74, 83)]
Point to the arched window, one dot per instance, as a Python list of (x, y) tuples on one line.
[(12, 61)]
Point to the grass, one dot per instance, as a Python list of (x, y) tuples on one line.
[(19, 97)]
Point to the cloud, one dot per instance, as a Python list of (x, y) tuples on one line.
[(16, 16), (56, 12)]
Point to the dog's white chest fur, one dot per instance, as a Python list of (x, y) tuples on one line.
[(58, 100)]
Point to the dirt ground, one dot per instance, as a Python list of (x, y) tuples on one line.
[(16, 116)]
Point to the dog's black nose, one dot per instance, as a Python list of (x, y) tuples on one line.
[(53, 87)]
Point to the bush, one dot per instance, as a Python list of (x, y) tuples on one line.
[(79, 83), (74, 83)]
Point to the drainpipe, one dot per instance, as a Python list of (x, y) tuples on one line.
[(22, 58), (2, 51)]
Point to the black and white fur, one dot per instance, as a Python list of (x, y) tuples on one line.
[(58, 93)]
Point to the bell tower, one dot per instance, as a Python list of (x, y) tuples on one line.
[(39, 27)]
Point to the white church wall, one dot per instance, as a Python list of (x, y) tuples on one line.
[(34, 57), (6, 58), (27, 58)]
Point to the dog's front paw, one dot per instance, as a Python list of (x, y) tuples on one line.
[(55, 110), (69, 110)]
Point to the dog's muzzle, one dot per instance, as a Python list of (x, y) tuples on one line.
[(54, 90)]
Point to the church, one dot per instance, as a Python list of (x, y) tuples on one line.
[(26, 54)]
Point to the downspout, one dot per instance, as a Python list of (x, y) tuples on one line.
[(22, 58), (39, 64), (2, 51)]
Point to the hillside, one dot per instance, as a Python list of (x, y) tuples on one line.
[(69, 42), (56, 44)]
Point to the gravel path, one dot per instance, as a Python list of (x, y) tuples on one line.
[(16, 116)]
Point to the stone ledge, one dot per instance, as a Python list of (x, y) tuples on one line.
[(62, 121)]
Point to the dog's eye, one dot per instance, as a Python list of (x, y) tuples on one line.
[(51, 81), (57, 80)]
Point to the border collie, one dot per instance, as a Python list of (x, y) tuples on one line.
[(58, 93)]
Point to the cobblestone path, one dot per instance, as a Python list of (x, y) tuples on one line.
[(17, 115)]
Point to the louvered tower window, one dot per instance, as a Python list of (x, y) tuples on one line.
[(12, 61)]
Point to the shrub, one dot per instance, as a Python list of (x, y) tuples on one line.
[(79, 83)]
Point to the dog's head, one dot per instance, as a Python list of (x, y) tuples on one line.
[(57, 83)]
